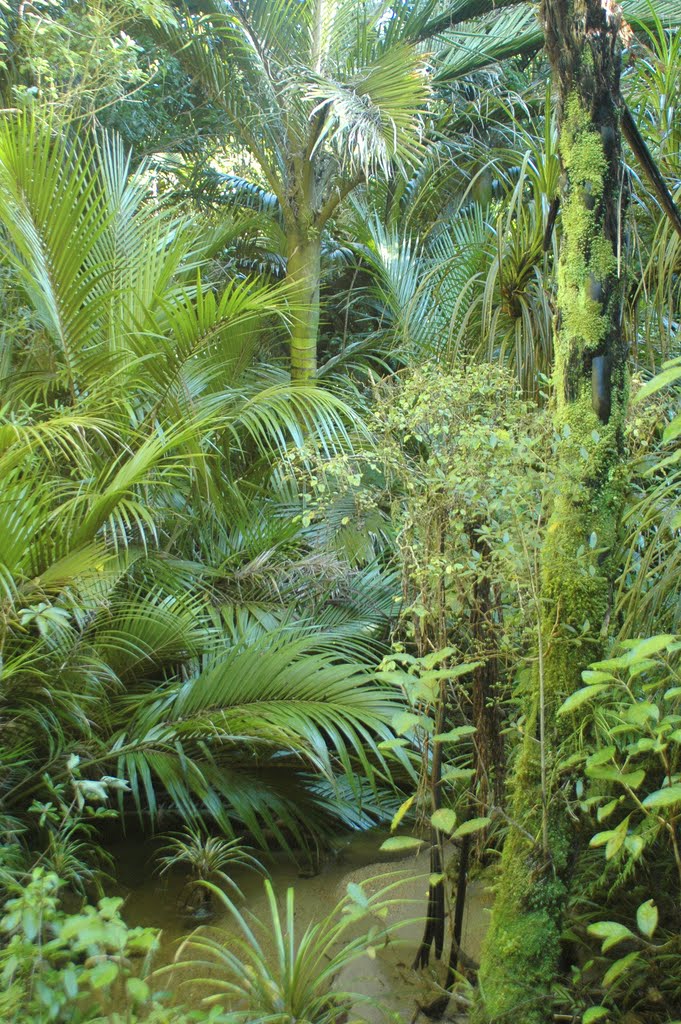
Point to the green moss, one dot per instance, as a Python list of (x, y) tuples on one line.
[(586, 256), (518, 960), (581, 148), (520, 956)]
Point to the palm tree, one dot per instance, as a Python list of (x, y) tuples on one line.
[(328, 94), (139, 452)]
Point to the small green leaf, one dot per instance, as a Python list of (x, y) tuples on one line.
[(70, 982), (137, 989), (458, 774), (604, 812), (396, 844), (454, 734), (611, 932), (593, 1014), (619, 968), (601, 838), (580, 697), (30, 923), (357, 894), (401, 811), (614, 844), (666, 797), (392, 744), (444, 820), (467, 828), (103, 974), (634, 844), (454, 673), (403, 721), (647, 917)]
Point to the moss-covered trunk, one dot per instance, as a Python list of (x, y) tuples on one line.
[(522, 951)]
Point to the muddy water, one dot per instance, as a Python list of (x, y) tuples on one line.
[(388, 978)]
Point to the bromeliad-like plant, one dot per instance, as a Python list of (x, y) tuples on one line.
[(207, 858), (278, 969)]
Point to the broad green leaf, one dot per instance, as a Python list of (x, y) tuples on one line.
[(601, 756), (660, 380), (672, 430), (396, 844), (593, 1014), (467, 828), (611, 932), (667, 797), (432, 659), (640, 649), (639, 714), (647, 917), (590, 677), (103, 974), (444, 819), (138, 990), (454, 734), (619, 968), (403, 721), (632, 780), (579, 697), (457, 774), (610, 772)]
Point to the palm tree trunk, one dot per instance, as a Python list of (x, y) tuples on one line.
[(522, 951), (303, 272)]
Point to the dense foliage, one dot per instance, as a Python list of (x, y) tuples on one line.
[(339, 461)]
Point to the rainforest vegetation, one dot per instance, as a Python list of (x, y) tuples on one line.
[(340, 494)]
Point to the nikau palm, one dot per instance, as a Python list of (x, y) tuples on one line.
[(326, 94), (138, 451), (323, 95)]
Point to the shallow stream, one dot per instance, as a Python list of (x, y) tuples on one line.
[(388, 978)]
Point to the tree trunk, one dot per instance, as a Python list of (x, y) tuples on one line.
[(489, 739), (522, 950), (303, 272)]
